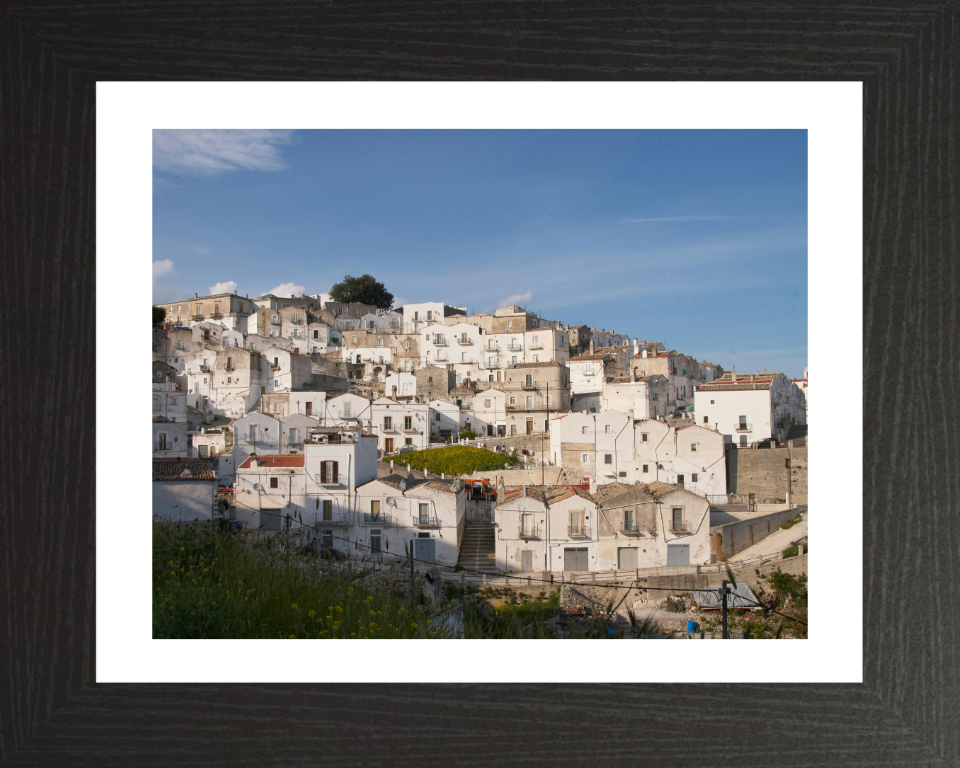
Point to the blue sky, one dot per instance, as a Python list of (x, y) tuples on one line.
[(697, 239)]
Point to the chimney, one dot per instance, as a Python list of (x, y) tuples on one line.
[(195, 296), (644, 353), (636, 347), (591, 345)]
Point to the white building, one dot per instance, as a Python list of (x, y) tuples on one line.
[(286, 370), (282, 404), (169, 422), (691, 456), (397, 424), (459, 345), (254, 433), (546, 529), (543, 345), (184, 491), (444, 421), (400, 384), (747, 408), (490, 412), (348, 409), (650, 526), (415, 316), (597, 446), (269, 490), (643, 397), (396, 513)]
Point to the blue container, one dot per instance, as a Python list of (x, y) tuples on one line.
[(691, 627)]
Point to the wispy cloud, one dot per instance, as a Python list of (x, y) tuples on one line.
[(199, 249), (287, 290), (227, 287), (710, 218), (205, 152), (517, 298), (161, 268)]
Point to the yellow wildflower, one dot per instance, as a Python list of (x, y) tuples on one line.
[(312, 614)]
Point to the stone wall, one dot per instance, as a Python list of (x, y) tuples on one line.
[(480, 511), (763, 471), (745, 533)]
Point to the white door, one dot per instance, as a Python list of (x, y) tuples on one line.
[(678, 554), (526, 560), (424, 550)]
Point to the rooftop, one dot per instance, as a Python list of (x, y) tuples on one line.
[(184, 469), (273, 460), (550, 494), (448, 485)]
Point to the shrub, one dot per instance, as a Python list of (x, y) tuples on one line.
[(458, 460), (468, 434)]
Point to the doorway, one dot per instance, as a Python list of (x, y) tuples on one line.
[(424, 549), (575, 559), (526, 560), (678, 554)]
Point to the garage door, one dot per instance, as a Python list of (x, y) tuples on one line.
[(678, 554), (627, 558), (270, 520), (575, 559), (424, 550)]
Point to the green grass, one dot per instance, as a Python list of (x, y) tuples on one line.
[(456, 460), (790, 523), (213, 585)]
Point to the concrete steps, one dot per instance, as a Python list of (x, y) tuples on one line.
[(478, 548)]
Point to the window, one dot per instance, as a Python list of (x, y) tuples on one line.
[(162, 441), (628, 520), (576, 523), (328, 509), (694, 477), (252, 433), (678, 518), (408, 422), (486, 403), (375, 509), (584, 430), (711, 402), (606, 428), (608, 458), (513, 400), (743, 441), (490, 362), (623, 474), (198, 310), (646, 469), (529, 402), (644, 437), (743, 422), (354, 339), (424, 513), (438, 417), (588, 368), (463, 337), (387, 423), (509, 323), (346, 410), (292, 436), (440, 339), (693, 447), (179, 343), (274, 482), (408, 441), (529, 380), (535, 340), (536, 358), (229, 380), (358, 313), (429, 314), (406, 345), (514, 359), (379, 342), (430, 379), (584, 458), (329, 472), (706, 420)]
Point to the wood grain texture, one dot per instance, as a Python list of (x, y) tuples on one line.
[(906, 712)]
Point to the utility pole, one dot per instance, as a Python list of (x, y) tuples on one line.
[(724, 589)]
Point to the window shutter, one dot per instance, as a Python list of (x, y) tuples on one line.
[(323, 471), (336, 471)]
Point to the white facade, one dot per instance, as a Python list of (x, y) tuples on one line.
[(295, 430), (397, 424), (415, 316), (428, 515), (544, 345), (444, 421), (268, 489), (459, 345), (183, 491), (556, 531), (307, 403), (751, 407), (490, 412), (285, 370), (400, 384), (254, 433), (346, 409), (646, 398)]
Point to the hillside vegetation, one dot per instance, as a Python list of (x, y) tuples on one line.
[(457, 460)]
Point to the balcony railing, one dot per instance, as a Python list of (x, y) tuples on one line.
[(441, 358), (336, 517), (388, 428), (410, 429), (679, 528), (217, 315), (464, 341), (535, 345), (441, 342), (197, 317), (529, 532), (578, 531), (379, 519), (528, 386), (334, 480), (742, 427), (631, 529), (515, 347), (426, 521)]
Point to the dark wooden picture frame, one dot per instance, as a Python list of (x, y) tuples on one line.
[(907, 709)]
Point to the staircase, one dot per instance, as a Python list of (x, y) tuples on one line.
[(477, 551)]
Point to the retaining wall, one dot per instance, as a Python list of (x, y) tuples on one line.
[(745, 533), (762, 471)]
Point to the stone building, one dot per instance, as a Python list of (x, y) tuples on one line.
[(434, 383), (228, 308), (533, 390)]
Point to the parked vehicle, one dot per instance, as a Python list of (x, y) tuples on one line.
[(406, 449)]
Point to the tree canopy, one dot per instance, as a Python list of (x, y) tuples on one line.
[(159, 315), (362, 290)]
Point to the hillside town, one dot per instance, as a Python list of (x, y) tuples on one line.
[(630, 455)]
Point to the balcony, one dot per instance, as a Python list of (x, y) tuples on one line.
[(515, 347), (679, 528), (529, 532), (578, 531), (632, 529), (275, 321), (492, 348), (334, 480), (380, 519), (535, 345), (198, 317), (410, 430), (440, 342), (217, 315), (440, 358), (426, 521), (743, 427), (388, 427), (528, 386), (337, 517), (464, 341), (274, 367)]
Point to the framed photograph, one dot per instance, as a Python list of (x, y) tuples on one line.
[(80, 596)]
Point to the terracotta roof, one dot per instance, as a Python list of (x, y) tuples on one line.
[(610, 491), (658, 489), (727, 386), (578, 358), (551, 364), (445, 486), (274, 460), (171, 469), (540, 493)]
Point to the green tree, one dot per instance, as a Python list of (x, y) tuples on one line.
[(362, 290), (159, 315)]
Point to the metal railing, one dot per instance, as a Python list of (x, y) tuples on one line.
[(578, 531), (528, 386), (379, 518), (679, 528), (441, 342), (515, 347), (535, 345), (528, 532), (632, 529), (464, 341), (388, 428), (426, 521), (336, 517), (743, 427), (335, 480)]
